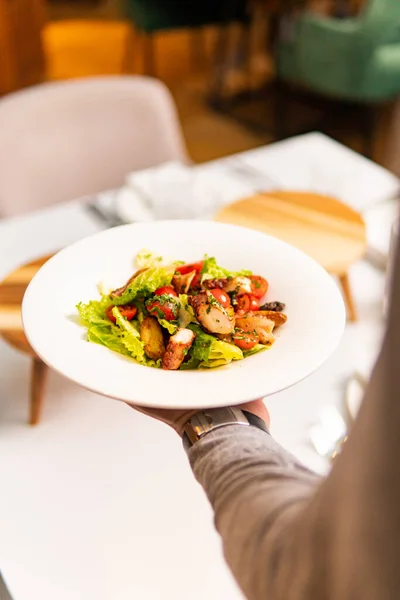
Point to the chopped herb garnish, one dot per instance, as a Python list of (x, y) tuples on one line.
[(213, 301)]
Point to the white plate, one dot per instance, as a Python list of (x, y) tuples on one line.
[(315, 310)]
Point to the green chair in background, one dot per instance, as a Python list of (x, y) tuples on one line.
[(153, 16), (354, 59)]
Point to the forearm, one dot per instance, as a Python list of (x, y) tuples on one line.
[(285, 536), (257, 490)]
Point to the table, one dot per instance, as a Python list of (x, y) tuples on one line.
[(87, 508), (322, 227)]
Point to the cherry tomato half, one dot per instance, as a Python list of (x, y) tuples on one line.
[(163, 310), (185, 269), (254, 303), (245, 340), (247, 303), (243, 304), (259, 286), (127, 311), (168, 290), (195, 285), (221, 297)]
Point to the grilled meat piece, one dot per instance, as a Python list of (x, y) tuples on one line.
[(238, 285), (211, 315), (178, 346), (278, 318), (212, 284), (231, 285), (254, 322)]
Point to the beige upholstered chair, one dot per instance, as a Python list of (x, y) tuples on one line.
[(64, 140), (60, 141)]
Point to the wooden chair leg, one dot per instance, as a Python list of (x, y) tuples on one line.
[(38, 380), (348, 297)]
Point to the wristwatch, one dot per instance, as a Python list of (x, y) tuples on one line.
[(207, 420)]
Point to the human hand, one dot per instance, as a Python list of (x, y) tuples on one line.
[(177, 418)]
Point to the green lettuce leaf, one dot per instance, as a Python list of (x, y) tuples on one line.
[(130, 337), (94, 312), (211, 352), (132, 341), (186, 312), (171, 327), (146, 258), (122, 337), (192, 363), (255, 350), (109, 337), (100, 329), (146, 284), (211, 270), (222, 353), (200, 349), (141, 310)]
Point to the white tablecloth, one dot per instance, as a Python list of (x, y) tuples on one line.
[(98, 502)]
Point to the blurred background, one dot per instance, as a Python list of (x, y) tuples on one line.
[(280, 115), (232, 66)]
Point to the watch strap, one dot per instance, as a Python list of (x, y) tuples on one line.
[(206, 421), (256, 421)]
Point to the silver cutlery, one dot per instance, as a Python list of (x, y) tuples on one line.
[(258, 177), (107, 217), (330, 433)]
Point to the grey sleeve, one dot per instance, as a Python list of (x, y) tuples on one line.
[(288, 535), (256, 489)]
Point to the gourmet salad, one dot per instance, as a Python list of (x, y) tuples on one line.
[(184, 316)]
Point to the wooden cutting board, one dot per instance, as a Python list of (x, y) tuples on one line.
[(328, 230), (12, 290)]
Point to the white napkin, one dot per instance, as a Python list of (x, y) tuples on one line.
[(379, 220), (177, 191)]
